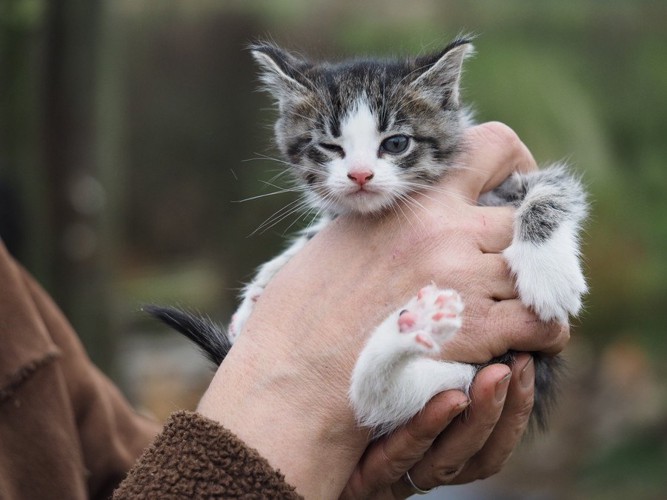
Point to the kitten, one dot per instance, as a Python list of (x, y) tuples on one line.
[(362, 135)]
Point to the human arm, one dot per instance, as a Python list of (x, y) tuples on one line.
[(66, 430)]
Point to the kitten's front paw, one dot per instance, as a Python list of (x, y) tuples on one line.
[(548, 276), (429, 319), (239, 318)]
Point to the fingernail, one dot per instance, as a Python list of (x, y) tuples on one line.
[(501, 387), (459, 408), (527, 376)]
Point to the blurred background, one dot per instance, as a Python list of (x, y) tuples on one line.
[(131, 129)]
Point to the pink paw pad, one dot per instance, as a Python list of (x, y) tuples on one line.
[(431, 317), (406, 321), (424, 340)]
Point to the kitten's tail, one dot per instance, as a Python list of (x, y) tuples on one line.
[(209, 337), (549, 372)]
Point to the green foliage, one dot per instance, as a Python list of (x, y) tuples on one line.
[(633, 468), (21, 14)]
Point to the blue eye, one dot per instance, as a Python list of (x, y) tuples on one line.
[(396, 144)]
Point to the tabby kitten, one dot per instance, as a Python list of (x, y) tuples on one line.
[(362, 135)]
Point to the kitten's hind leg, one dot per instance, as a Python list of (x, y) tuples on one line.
[(397, 373), (544, 255)]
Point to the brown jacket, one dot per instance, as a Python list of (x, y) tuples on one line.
[(66, 432)]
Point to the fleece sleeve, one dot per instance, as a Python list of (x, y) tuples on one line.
[(194, 457)]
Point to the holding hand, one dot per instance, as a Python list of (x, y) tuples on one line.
[(283, 387)]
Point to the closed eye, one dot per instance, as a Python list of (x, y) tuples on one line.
[(332, 147)]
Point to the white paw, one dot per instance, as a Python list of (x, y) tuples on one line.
[(429, 319), (548, 276), (399, 369)]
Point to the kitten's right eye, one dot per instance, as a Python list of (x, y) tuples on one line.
[(332, 147)]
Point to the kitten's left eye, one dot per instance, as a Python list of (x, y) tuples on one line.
[(395, 144), (332, 147)]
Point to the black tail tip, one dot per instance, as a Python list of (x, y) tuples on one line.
[(210, 338)]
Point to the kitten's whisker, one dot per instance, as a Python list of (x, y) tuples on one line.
[(400, 208), (420, 188), (278, 215), (408, 201), (300, 217), (413, 201), (437, 190), (309, 119), (257, 197), (394, 209), (440, 202), (295, 188), (261, 156), (279, 175), (285, 215)]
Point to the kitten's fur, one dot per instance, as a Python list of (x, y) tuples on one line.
[(360, 136)]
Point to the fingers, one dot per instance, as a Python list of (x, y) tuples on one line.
[(389, 458), (510, 427), (492, 151), (519, 329), (465, 437), (498, 225), (495, 276), (438, 451), (492, 328)]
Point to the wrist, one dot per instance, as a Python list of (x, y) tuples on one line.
[(299, 437)]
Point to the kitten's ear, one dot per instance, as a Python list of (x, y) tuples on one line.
[(438, 76), (281, 72)]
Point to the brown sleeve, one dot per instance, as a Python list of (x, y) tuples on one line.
[(65, 429), (195, 457)]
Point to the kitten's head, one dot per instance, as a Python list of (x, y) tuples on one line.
[(362, 134)]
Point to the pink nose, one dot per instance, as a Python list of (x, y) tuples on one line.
[(360, 177)]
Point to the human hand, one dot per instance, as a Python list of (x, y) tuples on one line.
[(283, 387), (450, 442), (436, 447)]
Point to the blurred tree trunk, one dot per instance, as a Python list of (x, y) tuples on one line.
[(74, 196)]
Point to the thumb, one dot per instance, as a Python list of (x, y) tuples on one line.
[(491, 152)]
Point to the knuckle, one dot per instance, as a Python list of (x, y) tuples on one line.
[(501, 133), (524, 409), (446, 474), (556, 335), (396, 470), (491, 325), (563, 335), (513, 149), (486, 427), (488, 470), (395, 466), (483, 468)]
